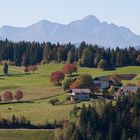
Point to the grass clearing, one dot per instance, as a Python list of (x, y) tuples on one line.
[(39, 111), (34, 86)]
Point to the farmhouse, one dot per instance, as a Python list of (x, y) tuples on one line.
[(101, 83), (130, 89), (126, 90), (80, 94)]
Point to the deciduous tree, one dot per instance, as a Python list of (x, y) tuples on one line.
[(56, 77), (69, 68), (8, 96), (19, 95), (84, 81), (102, 64)]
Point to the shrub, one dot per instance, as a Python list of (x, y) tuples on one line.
[(33, 68), (53, 101), (26, 69), (68, 98)]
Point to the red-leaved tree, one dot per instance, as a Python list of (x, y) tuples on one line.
[(19, 95), (56, 77), (69, 68), (7, 96)]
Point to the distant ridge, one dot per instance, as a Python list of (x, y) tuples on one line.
[(88, 29)]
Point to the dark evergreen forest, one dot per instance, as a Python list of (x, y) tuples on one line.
[(85, 55), (116, 122)]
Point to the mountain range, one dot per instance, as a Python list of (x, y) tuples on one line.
[(88, 29)]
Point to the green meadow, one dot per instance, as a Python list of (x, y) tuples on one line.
[(38, 88)]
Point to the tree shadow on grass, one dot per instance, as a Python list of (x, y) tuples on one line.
[(15, 102), (110, 69), (73, 75), (15, 75)]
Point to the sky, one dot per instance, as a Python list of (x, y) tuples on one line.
[(22, 13)]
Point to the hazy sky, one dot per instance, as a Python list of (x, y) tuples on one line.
[(26, 12)]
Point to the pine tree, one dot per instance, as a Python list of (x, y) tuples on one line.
[(111, 133), (47, 53), (87, 58), (70, 57), (96, 61), (123, 136), (5, 68)]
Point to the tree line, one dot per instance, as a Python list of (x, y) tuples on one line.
[(27, 53), (119, 122), (21, 122)]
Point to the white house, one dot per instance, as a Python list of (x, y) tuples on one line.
[(130, 89), (80, 94), (126, 90), (105, 84), (101, 83)]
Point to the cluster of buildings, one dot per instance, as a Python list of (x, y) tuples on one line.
[(126, 90), (102, 84), (84, 94)]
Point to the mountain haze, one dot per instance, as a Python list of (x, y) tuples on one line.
[(88, 29)]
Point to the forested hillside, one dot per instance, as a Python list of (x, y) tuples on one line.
[(85, 55), (116, 122)]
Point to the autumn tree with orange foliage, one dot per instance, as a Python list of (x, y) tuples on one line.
[(138, 84), (83, 81), (73, 85)]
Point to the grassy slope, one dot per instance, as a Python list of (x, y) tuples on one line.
[(34, 86), (38, 86), (39, 111), (26, 135), (122, 70)]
